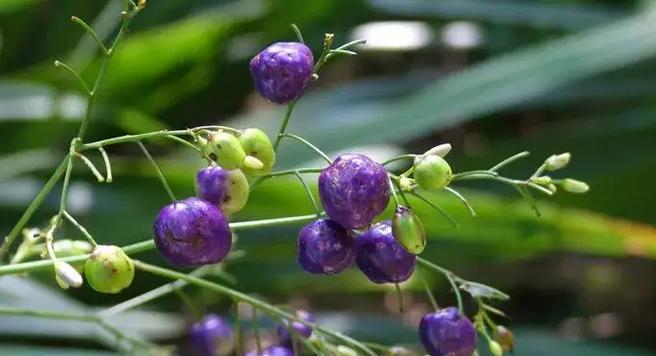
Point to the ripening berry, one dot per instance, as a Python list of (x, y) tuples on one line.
[(226, 189), (192, 232), (381, 258), (257, 144), (354, 190), (274, 350), (299, 329), (282, 71), (408, 230), (212, 336), (447, 333), (325, 247), (109, 269), (225, 150), (505, 338), (432, 172)]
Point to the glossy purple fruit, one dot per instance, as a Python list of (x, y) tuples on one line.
[(447, 333), (282, 71), (325, 247), (192, 232), (274, 350), (354, 190), (300, 329), (212, 336), (381, 258)]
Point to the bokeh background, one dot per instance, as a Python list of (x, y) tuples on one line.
[(492, 77)]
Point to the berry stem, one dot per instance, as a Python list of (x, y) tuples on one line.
[(256, 331), (399, 158), (438, 208), (509, 160), (462, 199), (59, 63), (310, 145), (309, 193), (93, 34), (450, 276), (430, 295), (283, 125), (82, 229), (108, 165), (237, 327), (165, 183)]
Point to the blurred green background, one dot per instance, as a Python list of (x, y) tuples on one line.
[(492, 77)]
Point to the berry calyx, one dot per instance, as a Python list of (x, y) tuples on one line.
[(282, 71), (192, 232), (354, 190), (274, 350), (226, 189), (225, 150), (299, 329), (447, 333), (212, 336), (109, 269), (325, 247), (257, 144), (432, 172), (408, 230), (381, 258)]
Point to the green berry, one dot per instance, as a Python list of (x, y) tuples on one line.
[(236, 193), (432, 172), (225, 149), (109, 269), (257, 144), (408, 230)]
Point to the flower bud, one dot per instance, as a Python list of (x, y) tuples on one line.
[(406, 183), (257, 144), (432, 172), (225, 149), (252, 163), (495, 348), (408, 230), (505, 338), (574, 186), (552, 188), (542, 180), (66, 275), (439, 150), (556, 162), (109, 269)]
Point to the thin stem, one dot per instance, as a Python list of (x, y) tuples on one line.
[(237, 328), (108, 166), (64, 191), (162, 179), (399, 294), (91, 166), (298, 33), (258, 180), (35, 204), (450, 276), (526, 194), (188, 303), (184, 142), (462, 175), (399, 158), (92, 33), (283, 125), (393, 190), (462, 199), (256, 331), (310, 145), (509, 160), (456, 291), (430, 295), (539, 171), (308, 192), (236, 295), (77, 76), (82, 229), (438, 208), (327, 43)]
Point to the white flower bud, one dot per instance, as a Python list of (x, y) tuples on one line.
[(542, 180), (67, 274), (252, 163), (556, 162), (574, 186), (439, 150)]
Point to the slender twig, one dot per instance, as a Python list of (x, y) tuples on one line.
[(310, 145), (430, 295), (298, 33), (184, 142), (91, 166), (450, 276), (308, 192), (399, 295), (79, 226), (256, 331), (237, 328), (108, 166), (462, 199), (399, 158), (438, 208), (161, 176), (283, 125), (526, 194), (92, 33), (77, 76), (509, 160), (393, 190)]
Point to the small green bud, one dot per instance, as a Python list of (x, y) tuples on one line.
[(555, 162), (66, 275), (257, 144), (505, 338), (109, 269), (574, 186), (237, 192), (552, 188), (252, 163), (225, 150), (345, 351), (439, 150), (408, 230), (406, 183), (542, 180), (432, 172), (495, 348)]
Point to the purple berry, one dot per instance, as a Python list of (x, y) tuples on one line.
[(274, 350), (282, 71), (300, 329), (226, 189), (192, 232), (354, 190), (381, 258), (447, 333), (212, 336), (325, 247)]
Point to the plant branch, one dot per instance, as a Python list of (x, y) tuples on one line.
[(310, 145)]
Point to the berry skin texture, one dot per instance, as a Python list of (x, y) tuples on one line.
[(109, 269), (432, 172), (408, 230), (257, 144), (212, 336), (284, 339), (447, 333), (225, 150), (354, 190), (226, 189), (325, 247), (381, 258), (282, 71), (192, 232), (274, 350)]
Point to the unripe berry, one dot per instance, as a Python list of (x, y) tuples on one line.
[(447, 333), (432, 172), (299, 329), (505, 338), (408, 230), (225, 150), (257, 144), (282, 71), (109, 269), (325, 247), (495, 348), (381, 258), (228, 190), (212, 336)]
